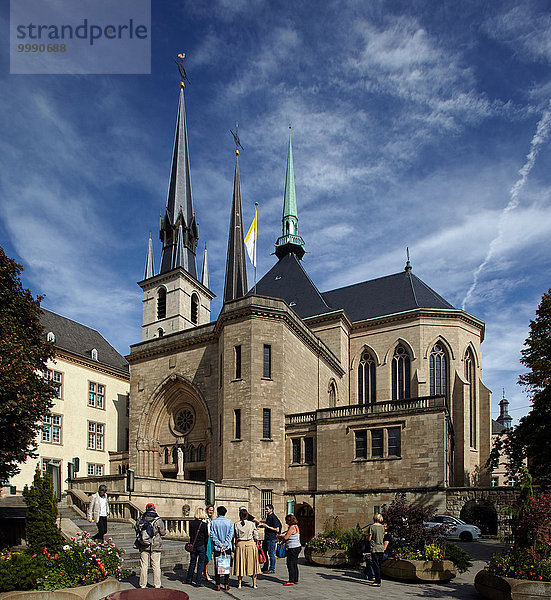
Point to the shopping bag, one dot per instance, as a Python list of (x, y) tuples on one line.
[(280, 550), (223, 564), (261, 555)]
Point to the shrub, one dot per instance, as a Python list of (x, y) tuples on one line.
[(83, 561), (19, 571), (406, 523), (41, 520), (433, 552), (462, 561), (520, 564), (322, 542)]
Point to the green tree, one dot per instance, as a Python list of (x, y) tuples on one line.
[(41, 521), (25, 397), (536, 354), (531, 438)]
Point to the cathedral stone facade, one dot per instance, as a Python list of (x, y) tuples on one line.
[(324, 402)]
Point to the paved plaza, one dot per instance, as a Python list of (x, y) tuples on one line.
[(336, 583)]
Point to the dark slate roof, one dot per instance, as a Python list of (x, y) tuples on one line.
[(384, 296), (80, 340), (288, 280), (497, 427)]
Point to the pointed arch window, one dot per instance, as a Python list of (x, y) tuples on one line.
[(401, 373), (473, 409), (194, 309), (332, 394), (201, 453), (438, 371), (161, 304), (366, 379)]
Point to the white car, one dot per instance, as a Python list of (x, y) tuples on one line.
[(455, 528)]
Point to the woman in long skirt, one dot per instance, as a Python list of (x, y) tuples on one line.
[(246, 551)]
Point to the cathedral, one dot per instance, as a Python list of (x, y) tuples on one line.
[(325, 403)]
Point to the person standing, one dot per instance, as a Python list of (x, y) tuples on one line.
[(272, 528), (375, 535), (221, 533), (198, 532), (246, 552), (151, 554), (98, 511), (292, 548), (210, 515)]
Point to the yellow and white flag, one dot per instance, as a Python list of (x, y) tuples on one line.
[(250, 239)]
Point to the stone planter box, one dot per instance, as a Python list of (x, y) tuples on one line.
[(495, 587), (96, 591), (419, 570), (329, 558)]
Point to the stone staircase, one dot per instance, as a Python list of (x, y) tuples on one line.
[(174, 556)]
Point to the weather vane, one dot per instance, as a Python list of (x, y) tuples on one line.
[(180, 62), (236, 139)]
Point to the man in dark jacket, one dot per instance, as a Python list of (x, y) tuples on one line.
[(150, 552), (272, 527)]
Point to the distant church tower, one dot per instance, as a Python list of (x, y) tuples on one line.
[(504, 418), (174, 299)]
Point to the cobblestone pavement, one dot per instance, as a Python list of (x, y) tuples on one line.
[(336, 583)]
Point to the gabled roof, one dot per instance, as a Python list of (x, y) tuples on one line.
[(288, 280), (497, 427), (80, 340), (384, 296)]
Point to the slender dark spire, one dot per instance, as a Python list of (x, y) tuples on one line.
[(407, 268), (149, 268), (236, 270), (290, 241), (179, 206), (205, 272)]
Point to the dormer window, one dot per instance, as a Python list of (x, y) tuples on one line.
[(160, 332), (94, 354), (50, 336)]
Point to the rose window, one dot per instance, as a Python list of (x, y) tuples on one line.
[(184, 420)]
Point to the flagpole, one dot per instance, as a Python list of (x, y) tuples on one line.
[(255, 233)]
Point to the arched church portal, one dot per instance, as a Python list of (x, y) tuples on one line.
[(174, 433)]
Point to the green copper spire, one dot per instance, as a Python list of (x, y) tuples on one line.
[(290, 241)]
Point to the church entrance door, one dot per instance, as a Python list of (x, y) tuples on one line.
[(305, 517)]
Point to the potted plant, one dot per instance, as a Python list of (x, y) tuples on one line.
[(523, 570)]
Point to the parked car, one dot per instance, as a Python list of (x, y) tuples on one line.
[(455, 528)]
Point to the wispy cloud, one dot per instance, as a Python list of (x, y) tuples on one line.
[(543, 129)]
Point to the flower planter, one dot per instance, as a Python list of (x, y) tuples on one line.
[(496, 587), (149, 594), (328, 558), (419, 570), (96, 591)]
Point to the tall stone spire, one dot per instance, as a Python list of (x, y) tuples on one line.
[(205, 273), (236, 270), (290, 241), (179, 206), (149, 267)]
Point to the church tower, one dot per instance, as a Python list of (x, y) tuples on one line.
[(174, 299)]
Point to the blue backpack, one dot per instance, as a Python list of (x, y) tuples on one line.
[(145, 533)]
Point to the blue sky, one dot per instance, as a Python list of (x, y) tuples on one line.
[(415, 124)]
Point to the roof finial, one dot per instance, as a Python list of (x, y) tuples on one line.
[(236, 139), (180, 62), (407, 268)]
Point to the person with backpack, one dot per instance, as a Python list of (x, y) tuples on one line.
[(149, 531)]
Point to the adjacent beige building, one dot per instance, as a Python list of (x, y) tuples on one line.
[(89, 418)]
